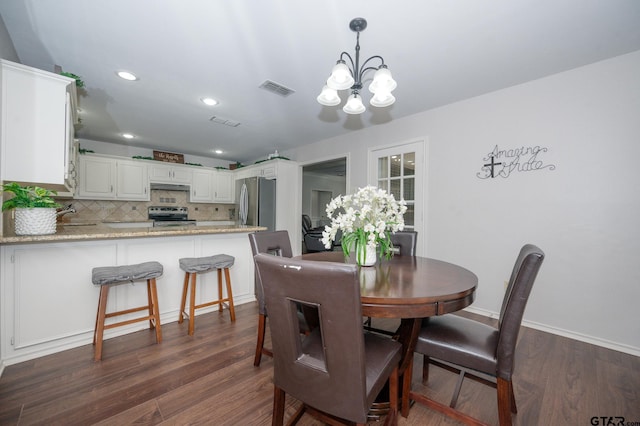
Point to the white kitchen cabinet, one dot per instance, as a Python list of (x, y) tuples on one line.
[(108, 178), (202, 190), (211, 186), (38, 112), (223, 187), (268, 171), (132, 181), (170, 173), (96, 178)]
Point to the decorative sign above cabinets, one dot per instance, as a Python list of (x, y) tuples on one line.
[(168, 157), (503, 162)]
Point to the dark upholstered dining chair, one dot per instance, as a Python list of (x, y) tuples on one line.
[(404, 242), (276, 243), (468, 347), (337, 370)]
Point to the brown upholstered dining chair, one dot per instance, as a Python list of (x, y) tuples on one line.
[(404, 242), (337, 370), (469, 347), (275, 243)]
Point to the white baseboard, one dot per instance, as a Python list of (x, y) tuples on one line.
[(565, 333)]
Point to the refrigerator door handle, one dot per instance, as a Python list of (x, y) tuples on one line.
[(244, 204)]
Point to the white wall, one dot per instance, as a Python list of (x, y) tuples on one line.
[(319, 182), (584, 214)]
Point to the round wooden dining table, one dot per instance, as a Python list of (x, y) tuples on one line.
[(409, 288)]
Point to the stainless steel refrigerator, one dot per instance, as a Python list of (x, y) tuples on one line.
[(256, 202)]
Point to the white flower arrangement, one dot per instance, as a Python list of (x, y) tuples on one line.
[(367, 218)]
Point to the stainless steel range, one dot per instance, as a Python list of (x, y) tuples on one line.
[(170, 216)]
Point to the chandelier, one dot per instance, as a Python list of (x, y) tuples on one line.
[(345, 77)]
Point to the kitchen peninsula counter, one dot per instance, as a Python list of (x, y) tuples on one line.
[(48, 302), (103, 231)]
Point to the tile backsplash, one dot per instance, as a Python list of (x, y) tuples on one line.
[(105, 210), (134, 211)]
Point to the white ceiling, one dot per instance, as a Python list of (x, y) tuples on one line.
[(438, 51)]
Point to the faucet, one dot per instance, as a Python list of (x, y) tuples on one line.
[(65, 210)]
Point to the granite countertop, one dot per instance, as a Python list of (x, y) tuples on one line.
[(86, 231)]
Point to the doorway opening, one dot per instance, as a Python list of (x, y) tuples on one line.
[(321, 182)]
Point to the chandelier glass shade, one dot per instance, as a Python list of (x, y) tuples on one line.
[(349, 77)]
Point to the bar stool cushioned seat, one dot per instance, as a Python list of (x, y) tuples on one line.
[(196, 265), (105, 277)]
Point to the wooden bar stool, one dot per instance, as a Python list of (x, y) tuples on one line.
[(196, 265), (107, 276)]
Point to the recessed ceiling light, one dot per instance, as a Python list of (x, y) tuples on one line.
[(127, 135), (218, 151), (209, 101), (127, 75)]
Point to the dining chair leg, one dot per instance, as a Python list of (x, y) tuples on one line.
[(504, 402), (278, 406), (262, 319), (425, 369), (392, 415), (514, 408)]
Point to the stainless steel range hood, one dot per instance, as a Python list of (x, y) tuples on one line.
[(169, 187)]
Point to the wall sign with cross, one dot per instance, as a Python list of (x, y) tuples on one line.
[(503, 162)]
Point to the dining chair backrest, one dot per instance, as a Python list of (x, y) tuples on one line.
[(405, 242), (327, 368), (525, 271), (270, 242)]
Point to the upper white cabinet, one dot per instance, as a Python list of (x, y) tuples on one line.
[(96, 178), (211, 186), (38, 113), (132, 181), (223, 187), (106, 178), (170, 173), (202, 190)]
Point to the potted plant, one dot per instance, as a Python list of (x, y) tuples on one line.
[(35, 209), (366, 219)]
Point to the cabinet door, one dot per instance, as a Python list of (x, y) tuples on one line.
[(34, 126), (202, 186), (160, 173), (182, 175), (164, 173), (133, 182), (223, 187), (96, 178), (269, 172)]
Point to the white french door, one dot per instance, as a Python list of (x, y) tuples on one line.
[(401, 170)]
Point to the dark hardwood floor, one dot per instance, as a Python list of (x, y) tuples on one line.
[(209, 379)]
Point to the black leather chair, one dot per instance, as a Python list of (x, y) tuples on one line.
[(469, 347), (275, 243), (336, 371), (312, 236)]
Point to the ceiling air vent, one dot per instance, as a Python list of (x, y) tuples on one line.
[(225, 121), (276, 88)]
